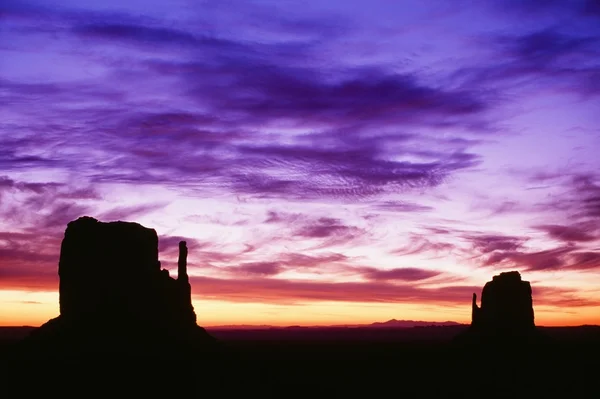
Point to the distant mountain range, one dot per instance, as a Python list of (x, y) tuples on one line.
[(393, 323), (413, 323)]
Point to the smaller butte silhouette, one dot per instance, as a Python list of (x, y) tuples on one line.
[(115, 297), (506, 312)]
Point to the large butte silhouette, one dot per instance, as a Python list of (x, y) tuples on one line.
[(506, 312), (115, 297)]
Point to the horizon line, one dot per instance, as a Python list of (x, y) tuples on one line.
[(266, 326)]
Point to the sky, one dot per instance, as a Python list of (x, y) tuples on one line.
[(327, 162)]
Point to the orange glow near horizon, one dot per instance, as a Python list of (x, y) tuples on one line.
[(22, 308)]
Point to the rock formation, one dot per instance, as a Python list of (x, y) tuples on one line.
[(115, 296), (506, 311), (506, 304)]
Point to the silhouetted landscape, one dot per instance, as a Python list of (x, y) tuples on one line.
[(140, 318), (240, 198)]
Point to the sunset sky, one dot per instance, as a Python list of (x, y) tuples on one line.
[(328, 162)]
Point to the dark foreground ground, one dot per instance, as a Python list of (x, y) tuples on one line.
[(348, 362)]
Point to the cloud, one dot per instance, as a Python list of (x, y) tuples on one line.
[(591, 8), (570, 233), (325, 228), (295, 291), (567, 257), (507, 207), (546, 47), (401, 206), (560, 297), (531, 8), (279, 291), (49, 206), (586, 189), (138, 34), (489, 242), (578, 201), (328, 232), (34, 279), (217, 258), (586, 260), (28, 261), (281, 217), (546, 56), (26, 248), (258, 268), (7, 183), (398, 274), (130, 212), (505, 251), (169, 243), (418, 244), (307, 261), (551, 259), (349, 165), (241, 265), (61, 214), (263, 118), (32, 271), (295, 93)]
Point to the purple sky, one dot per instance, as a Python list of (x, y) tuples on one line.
[(407, 149)]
